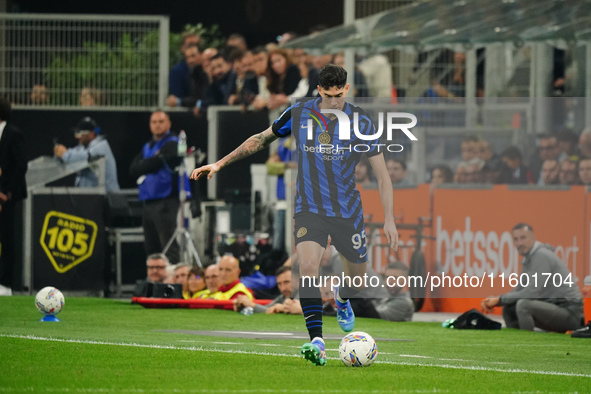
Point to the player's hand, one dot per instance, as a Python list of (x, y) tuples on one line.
[(489, 303), (59, 150), (208, 170), (292, 307), (391, 233), (277, 308)]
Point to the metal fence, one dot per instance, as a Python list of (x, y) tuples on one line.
[(84, 60)]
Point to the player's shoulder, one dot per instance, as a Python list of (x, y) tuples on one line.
[(354, 108)]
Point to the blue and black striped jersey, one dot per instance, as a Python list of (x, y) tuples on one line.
[(326, 164)]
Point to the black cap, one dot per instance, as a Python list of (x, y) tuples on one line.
[(87, 124)]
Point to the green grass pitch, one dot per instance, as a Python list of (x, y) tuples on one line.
[(104, 346)]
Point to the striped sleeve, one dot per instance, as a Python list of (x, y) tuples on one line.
[(282, 126)]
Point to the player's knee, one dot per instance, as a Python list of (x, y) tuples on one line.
[(308, 268), (523, 306)]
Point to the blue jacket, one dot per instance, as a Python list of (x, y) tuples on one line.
[(157, 185)]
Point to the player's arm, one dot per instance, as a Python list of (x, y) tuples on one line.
[(387, 196), (248, 147)]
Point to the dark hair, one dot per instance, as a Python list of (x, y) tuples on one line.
[(198, 271), (397, 265), (234, 53), (282, 269), (567, 135), (259, 49), (219, 55), (5, 109), (331, 76), (448, 175), (512, 153), (399, 161), (188, 34), (545, 136), (276, 82), (522, 225)]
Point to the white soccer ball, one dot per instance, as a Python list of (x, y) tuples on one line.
[(358, 349), (49, 301)]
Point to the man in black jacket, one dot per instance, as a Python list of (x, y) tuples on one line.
[(13, 188)]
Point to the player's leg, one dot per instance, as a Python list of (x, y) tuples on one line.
[(350, 241), (510, 316), (309, 254), (547, 316)]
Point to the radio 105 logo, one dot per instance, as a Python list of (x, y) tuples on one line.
[(388, 123)]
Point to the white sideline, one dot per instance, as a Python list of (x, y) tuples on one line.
[(473, 368)]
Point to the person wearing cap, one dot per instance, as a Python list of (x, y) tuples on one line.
[(91, 146)]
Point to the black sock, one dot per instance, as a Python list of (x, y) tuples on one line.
[(312, 308)]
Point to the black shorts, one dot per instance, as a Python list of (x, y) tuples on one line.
[(346, 234)]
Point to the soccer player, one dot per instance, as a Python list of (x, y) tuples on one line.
[(327, 202)]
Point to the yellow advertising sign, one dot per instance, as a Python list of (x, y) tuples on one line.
[(67, 240)]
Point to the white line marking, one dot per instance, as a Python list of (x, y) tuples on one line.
[(173, 390), (236, 351)]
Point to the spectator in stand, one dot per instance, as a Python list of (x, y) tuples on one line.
[(569, 173), (585, 142), (473, 173), (548, 150), (441, 174), (307, 71), (180, 273), (485, 153), (231, 287), (549, 174), (585, 170), (515, 172), (90, 97), (397, 171), (361, 89), (260, 62), (492, 162), (198, 79), (179, 78), (283, 78), (195, 284), (156, 265), (470, 148), (237, 40), (212, 283), (220, 88), (283, 276), (39, 95), (206, 57), (244, 85), (567, 143), (363, 172)]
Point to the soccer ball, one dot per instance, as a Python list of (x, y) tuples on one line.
[(358, 349), (49, 301)]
